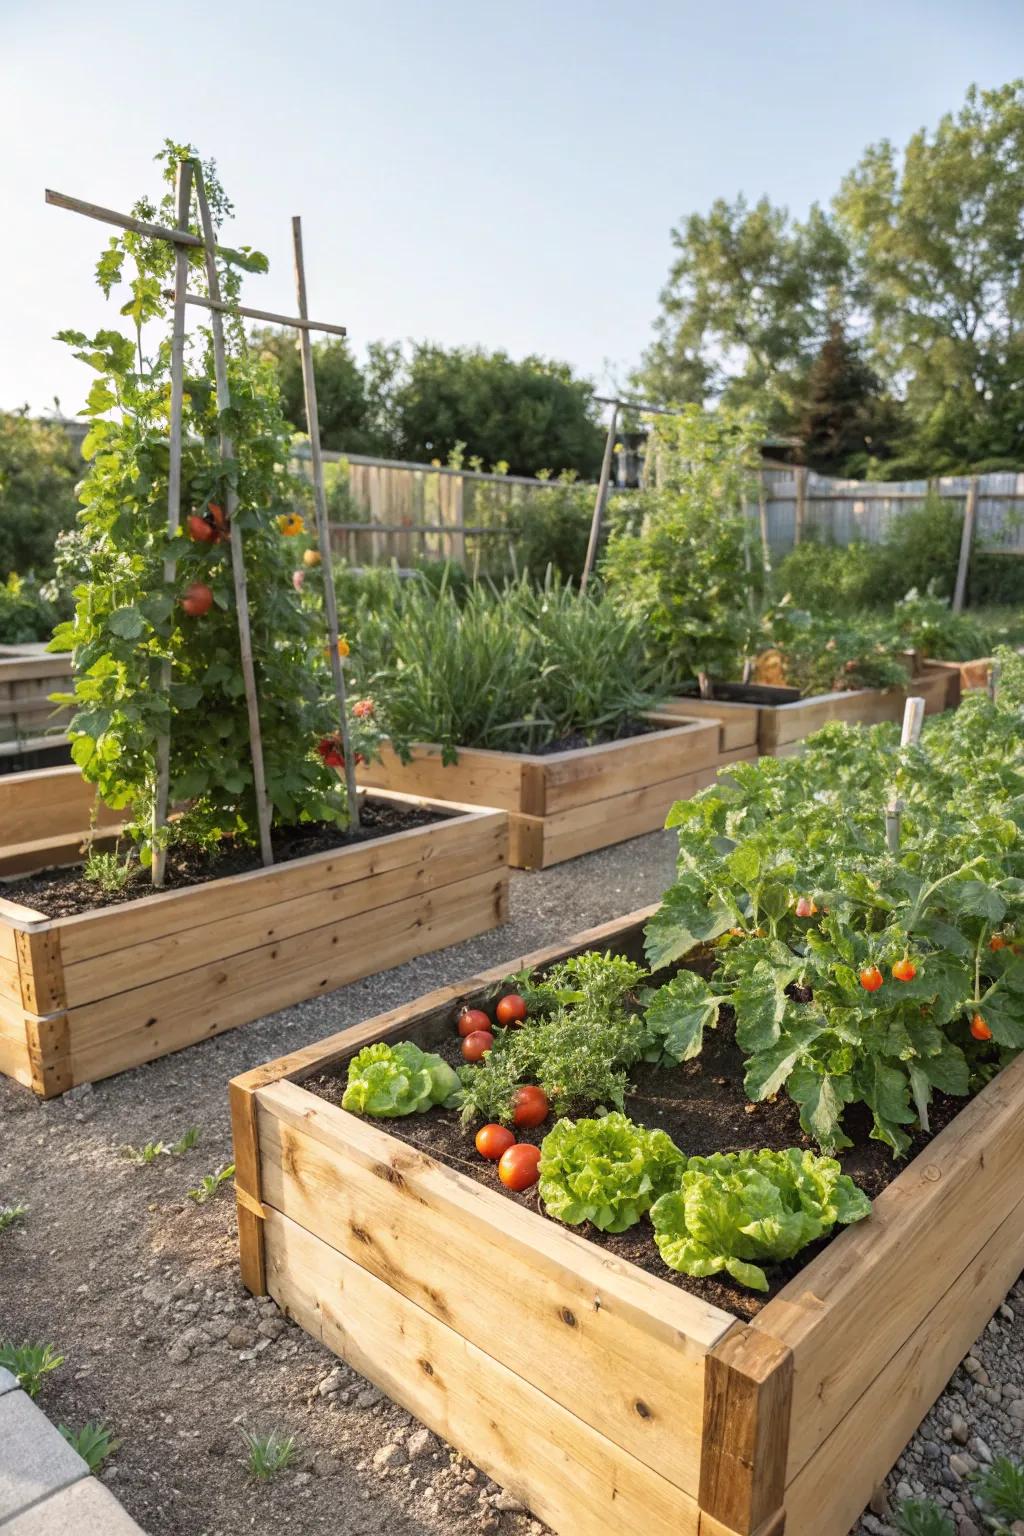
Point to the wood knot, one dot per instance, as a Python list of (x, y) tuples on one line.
[(642, 1409), (568, 1318), (426, 1367), (361, 1235)]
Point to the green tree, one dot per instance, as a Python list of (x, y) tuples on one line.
[(748, 303), (347, 419), (939, 239), (847, 418), (528, 414), (39, 466)]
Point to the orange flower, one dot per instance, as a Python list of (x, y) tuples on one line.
[(291, 524)]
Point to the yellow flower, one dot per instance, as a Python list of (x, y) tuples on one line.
[(291, 524), (343, 648)]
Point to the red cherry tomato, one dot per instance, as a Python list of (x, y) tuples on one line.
[(530, 1107), (871, 978), (474, 1045), (198, 599), (996, 942), (805, 907), (493, 1141), (470, 1019), (979, 1029), (200, 531), (519, 1166), (511, 1009), (905, 969)]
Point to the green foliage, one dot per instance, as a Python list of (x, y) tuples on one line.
[(392, 1080), (128, 620), (936, 237), (146, 1156), (738, 1210), (109, 871), (771, 833), (922, 1517), (822, 654), (925, 623), (846, 415), (94, 1442), (38, 469), (26, 613), (344, 403), (267, 1455), (551, 528), (29, 1363), (10, 1215), (675, 560), (747, 306), (210, 1183), (515, 669), (999, 1490), (607, 1171)]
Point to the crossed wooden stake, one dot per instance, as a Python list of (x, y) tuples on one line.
[(189, 173)]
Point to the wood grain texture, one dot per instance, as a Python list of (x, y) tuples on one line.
[(568, 1474), (41, 971), (737, 723), (621, 1349), (747, 1398), (879, 1279), (833, 1488), (248, 1186)]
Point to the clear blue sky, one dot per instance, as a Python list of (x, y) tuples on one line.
[(467, 172)]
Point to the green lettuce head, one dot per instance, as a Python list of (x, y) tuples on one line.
[(391, 1080), (607, 1171), (736, 1210)]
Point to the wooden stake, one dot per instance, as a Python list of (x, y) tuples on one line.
[(293, 321), (800, 515), (966, 545), (323, 530), (183, 200), (893, 823), (237, 553), (762, 517), (602, 492), (994, 673), (913, 719)]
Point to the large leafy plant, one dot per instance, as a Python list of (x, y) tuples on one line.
[(735, 1211), (128, 620), (785, 870), (676, 561), (606, 1171)]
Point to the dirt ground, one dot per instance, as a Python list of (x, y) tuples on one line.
[(136, 1284)]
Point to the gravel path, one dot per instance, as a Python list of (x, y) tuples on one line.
[(137, 1286)]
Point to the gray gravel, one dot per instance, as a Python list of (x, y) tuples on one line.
[(138, 1287)]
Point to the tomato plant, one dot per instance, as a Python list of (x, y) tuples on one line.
[(128, 620)]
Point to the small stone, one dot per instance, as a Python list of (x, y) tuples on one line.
[(389, 1456), (959, 1430), (302, 1478), (981, 1450), (879, 1502), (1017, 1528), (272, 1327), (324, 1464), (420, 1443), (369, 1398), (241, 1337), (967, 1527), (961, 1466), (972, 1365), (904, 1491), (178, 1353), (508, 1503), (490, 1524), (1016, 1410), (331, 1384)]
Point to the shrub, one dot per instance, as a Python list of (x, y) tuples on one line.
[(38, 468), (25, 614), (676, 559)]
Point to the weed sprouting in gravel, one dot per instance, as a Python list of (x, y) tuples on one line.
[(29, 1363), (922, 1517), (210, 1183), (10, 1215), (144, 1157), (94, 1442), (1000, 1489), (268, 1454)]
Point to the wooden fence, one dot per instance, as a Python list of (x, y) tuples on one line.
[(385, 509), (796, 504)]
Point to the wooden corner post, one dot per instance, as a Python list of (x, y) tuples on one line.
[(748, 1389), (248, 1201)]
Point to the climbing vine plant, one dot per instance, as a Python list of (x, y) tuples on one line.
[(128, 619)]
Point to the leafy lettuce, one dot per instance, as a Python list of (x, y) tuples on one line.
[(737, 1210), (608, 1171), (391, 1080)]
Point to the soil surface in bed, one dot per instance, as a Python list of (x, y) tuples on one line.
[(703, 1107), (626, 730), (66, 892)]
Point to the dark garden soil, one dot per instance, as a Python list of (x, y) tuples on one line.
[(624, 731), (65, 892), (704, 1109)]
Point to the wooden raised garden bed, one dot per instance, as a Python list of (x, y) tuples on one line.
[(86, 996), (29, 723), (606, 1399), (777, 724), (562, 804)]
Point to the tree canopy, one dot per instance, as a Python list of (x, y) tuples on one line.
[(916, 270)]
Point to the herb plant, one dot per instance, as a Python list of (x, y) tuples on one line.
[(922, 1517), (738, 1210), (29, 1363), (267, 1455), (10, 1215), (607, 1171), (94, 1442)]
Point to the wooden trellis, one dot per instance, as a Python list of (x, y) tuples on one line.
[(189, 180)]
